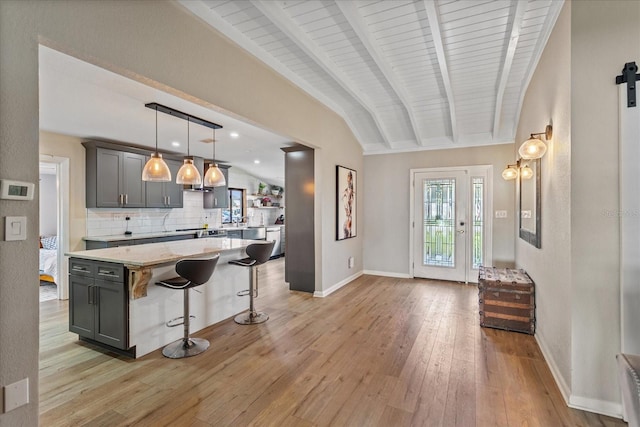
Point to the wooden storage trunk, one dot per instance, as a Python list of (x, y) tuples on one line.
[(507, 300)]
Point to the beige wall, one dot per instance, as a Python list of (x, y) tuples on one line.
[(548, 101), (604, 36), (69, 147), (386, 202), (162, 45), (577, 269)]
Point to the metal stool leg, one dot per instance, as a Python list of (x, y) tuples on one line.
[(252, 317), (185, 346)]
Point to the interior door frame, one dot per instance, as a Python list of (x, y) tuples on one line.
[(472, 171), (63, 208)]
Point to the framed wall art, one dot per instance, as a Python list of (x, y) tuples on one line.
[(346, 206)]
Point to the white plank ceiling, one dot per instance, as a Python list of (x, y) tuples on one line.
[(405, 75)]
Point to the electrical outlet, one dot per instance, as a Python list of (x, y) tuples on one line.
[(351, 262), (117, 217), (501, 214), (16, 395)]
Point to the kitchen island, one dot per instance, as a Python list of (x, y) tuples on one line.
[(114, 303)]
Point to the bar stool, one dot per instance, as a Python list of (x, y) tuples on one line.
[(192, 273), (259, 253)]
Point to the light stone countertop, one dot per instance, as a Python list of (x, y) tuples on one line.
[(152, 254), (139, 236), (135, 236)]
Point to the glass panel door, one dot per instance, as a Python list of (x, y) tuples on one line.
[(440, 225)]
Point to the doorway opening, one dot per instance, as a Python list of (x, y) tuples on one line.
[(54, 222), (451, 223)]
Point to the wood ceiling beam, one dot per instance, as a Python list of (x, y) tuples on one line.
[(350, 11), (201, 10), (436, 33), (514, 37), (272, 11)]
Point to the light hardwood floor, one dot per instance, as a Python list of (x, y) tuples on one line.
[(379, 352)]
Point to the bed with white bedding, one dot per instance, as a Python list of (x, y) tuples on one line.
[(49, 259)]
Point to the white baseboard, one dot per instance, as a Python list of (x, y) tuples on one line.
[(327, 292), (388, 274), (553, 367), (604, 407)]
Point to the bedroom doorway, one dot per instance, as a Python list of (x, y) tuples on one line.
[(54, 224)]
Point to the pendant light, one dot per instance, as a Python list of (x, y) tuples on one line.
[(156, 169), (188, 173), (214, 176)]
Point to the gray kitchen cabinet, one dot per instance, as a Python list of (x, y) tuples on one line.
[(114, 178), (234, 234), (165, 194), (217, 197), (98, 306)]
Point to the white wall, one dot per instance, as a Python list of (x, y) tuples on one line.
[(577, 269), (386, 203), (48, 192), (132, 38), (548, 101), (604, 36)]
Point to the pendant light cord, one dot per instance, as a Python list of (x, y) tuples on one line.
[(156, 130), (188, 137)]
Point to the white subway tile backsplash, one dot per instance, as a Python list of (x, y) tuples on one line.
[(103, 222)]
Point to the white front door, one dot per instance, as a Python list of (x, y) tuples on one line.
[(449, 226)]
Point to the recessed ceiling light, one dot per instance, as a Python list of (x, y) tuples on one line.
[(256, 162), (234, 134), (175, 144)]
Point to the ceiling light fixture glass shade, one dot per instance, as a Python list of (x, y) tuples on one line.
[(510, 172), (526, 172), (156, 169), (188, 174), (532, 148), (214, 176)]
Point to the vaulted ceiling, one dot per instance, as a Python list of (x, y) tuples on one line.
[(404, 74)]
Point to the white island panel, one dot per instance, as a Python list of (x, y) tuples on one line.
[(210, 303)]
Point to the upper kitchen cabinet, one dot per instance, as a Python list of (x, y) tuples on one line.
[(217, 197), (114, 178), (165, 194)]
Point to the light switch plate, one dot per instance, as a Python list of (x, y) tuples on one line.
[(501, 214), (15, 228), (16, 394)]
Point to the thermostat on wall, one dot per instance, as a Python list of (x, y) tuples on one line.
[(16, 190)]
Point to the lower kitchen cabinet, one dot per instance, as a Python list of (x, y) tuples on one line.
[(98, 306)]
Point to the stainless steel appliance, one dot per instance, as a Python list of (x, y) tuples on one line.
[(273, 233)]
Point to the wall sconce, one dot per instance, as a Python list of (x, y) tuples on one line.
[(515, 170), (510, 172), (534, 148)]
